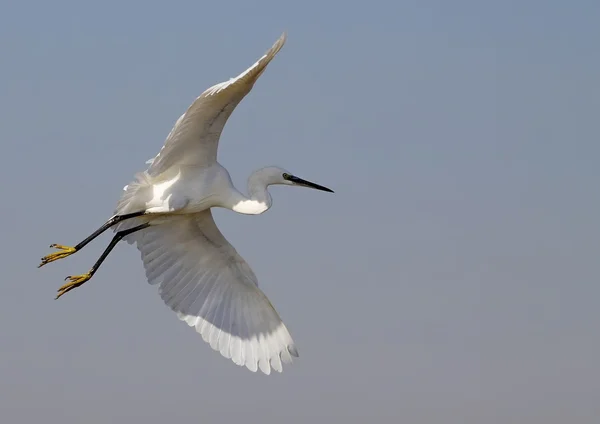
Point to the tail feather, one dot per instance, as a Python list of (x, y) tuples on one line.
[(126, 203), (133, 200)]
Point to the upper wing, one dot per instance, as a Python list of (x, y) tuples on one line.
[(209, 285), (195, 137)]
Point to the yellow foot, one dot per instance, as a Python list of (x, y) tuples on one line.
[(74, 282), (63, 253)]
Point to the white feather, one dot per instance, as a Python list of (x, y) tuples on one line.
[(209, 285), (195, 136)]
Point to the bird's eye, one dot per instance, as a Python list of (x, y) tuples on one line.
[(286, 175)]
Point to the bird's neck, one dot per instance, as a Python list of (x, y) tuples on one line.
[(259, 199)]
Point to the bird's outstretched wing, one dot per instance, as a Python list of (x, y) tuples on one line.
[(195, 137), (209, 285)]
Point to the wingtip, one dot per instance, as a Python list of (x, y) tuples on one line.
[(293, 350), (281, 40)]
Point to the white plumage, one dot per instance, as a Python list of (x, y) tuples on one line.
[(166, 212), (209, 285), (195, 137)]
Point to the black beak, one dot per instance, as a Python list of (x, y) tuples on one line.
[(304, 183)]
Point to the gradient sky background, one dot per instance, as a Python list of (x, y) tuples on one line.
[(452, 278)]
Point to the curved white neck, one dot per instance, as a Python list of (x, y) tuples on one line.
[(258, 202)]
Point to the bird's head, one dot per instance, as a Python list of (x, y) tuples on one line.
[(275, 175)]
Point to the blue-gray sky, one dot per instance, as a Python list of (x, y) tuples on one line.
[(452, 278)]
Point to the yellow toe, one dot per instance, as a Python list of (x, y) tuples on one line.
[(74, 282), (63, 252)]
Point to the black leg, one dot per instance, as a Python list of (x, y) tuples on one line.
[(112, 221), (67, 250), (117, 238), (78, 280)]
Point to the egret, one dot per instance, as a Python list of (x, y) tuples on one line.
[(166, 212)]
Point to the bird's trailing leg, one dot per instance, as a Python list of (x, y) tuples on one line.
[(77, 280), (65, 251)]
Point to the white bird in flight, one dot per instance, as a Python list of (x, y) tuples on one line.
[(166, 212)]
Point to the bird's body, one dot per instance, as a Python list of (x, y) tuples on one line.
[(166, 212), (187, 189)]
